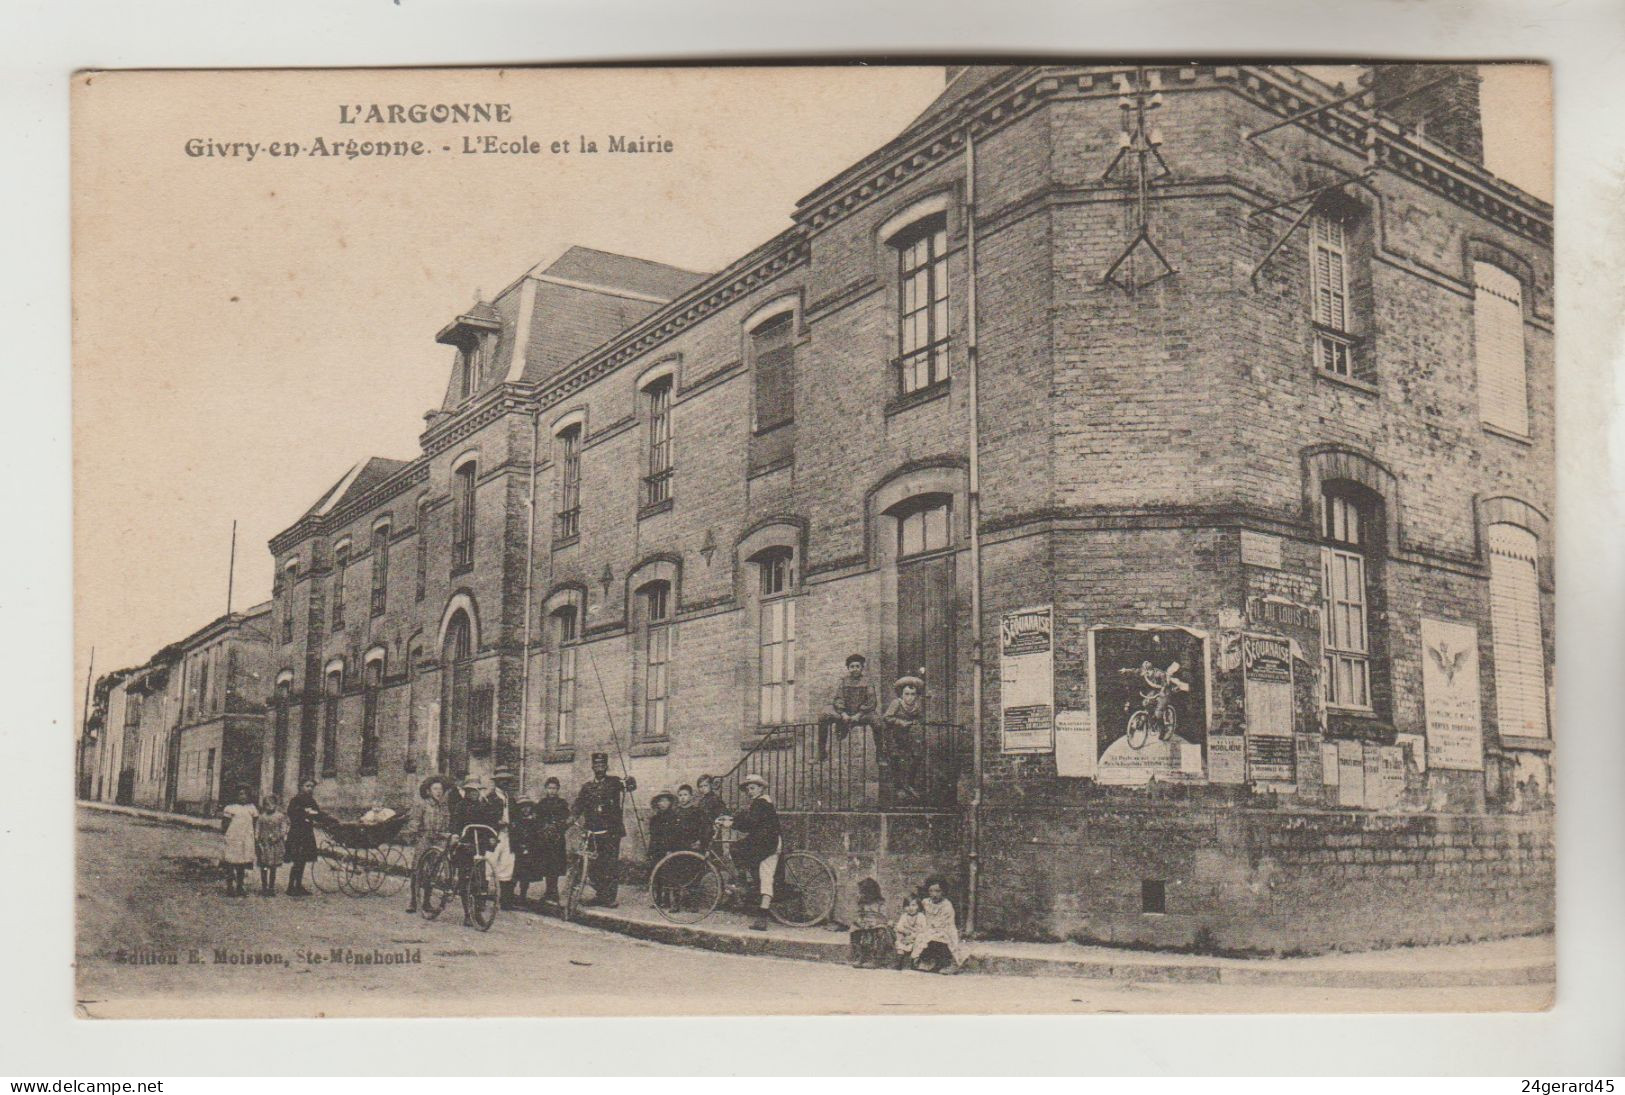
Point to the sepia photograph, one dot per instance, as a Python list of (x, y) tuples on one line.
[(1056, 537)]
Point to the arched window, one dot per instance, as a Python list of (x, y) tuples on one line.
[(332, 691), (922, 303), (380, 567), (282, 709), (772, 351), (1348, 531), (1520, 652), (462, 518), (414, 656), (1503, 393), (565, 633), (422, 584), (372, 683), (456, 708), (776, 637), (1339, 286), (657, 431), (653, 648), (567, 522), (290, 576), (341, 559)]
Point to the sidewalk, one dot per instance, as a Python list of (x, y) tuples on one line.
[(1526, 960)]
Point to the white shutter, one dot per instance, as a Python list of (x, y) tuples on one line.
[(1498, 344), (1329, 274), (1520, 658)]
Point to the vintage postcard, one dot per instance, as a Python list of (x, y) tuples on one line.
[(1039, 538)]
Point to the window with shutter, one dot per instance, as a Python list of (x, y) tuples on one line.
[(1498, 345), (1344, 636), (773, 353), (1329, 291), (564, 693), (776, 639), (1520, 658)]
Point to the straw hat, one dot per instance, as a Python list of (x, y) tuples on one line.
[(907, 680), (753, 778)]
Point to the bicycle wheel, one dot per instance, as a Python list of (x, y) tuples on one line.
[(1170, 723), (393, 872), (685, 887), (1139, 728), (803, 890), (328, 870), (483, 891), (574, 882), (436, 880)]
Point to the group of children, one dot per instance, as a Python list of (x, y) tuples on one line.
[(681, 821), (924, 937), (253, 836)]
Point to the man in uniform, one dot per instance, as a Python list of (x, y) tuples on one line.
[(598, 808)]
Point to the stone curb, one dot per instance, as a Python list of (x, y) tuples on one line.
[(835, 950)]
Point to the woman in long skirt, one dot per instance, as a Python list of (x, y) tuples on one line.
[(301, 845)]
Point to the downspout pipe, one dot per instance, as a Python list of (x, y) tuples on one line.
[(973, 866), (530, 583)]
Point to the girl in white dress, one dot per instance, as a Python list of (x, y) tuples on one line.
[(238, 854)]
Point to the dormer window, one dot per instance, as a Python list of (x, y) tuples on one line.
[(474, 335)]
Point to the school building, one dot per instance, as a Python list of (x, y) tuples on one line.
[(1187, 428)]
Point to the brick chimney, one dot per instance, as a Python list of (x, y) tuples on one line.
[(1446, 114)]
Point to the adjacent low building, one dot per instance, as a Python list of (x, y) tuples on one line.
[(1188, 429)]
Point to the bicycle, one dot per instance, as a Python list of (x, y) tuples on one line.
[(460, 868), (686, 887), (1162, 684), (575, 879)]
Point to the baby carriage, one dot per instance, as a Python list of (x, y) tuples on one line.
[(360, 859)]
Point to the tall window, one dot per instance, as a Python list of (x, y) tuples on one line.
[(656, 610), (470, 365), (564, 692), (380, 568), (330, 721), (657, 408), (568, 522), (280, 728), (1520, 658), (1329, 288), (372, 682), (924, 529), (201, 700), (457, 656), (462, 548), (1345, 638), (776, 639), (422, 584), (290, 577), (1503, 397), (341, 559), (922, 304), (409, 759), (773, 351)]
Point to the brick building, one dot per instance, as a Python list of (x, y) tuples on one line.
[(1094, 369)]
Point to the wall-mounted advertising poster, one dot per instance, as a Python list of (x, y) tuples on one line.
[(1267, 668), (1075, 744), (1152, 701), (1027, 680), (1450, 694)]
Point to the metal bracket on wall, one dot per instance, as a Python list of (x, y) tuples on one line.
[(1308, 196), (1139, 145)]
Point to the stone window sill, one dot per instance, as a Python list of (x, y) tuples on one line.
[(1365, 387), (652, 747), (1497, 431), (768, 469), (566, 541), (655, 509), (928, 394), (564, 754), (1527, 744)]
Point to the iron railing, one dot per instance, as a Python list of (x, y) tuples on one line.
[(810, 768)]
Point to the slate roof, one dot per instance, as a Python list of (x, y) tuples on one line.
[(646, 276), (356, 482)]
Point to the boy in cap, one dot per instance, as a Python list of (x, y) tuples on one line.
[(756, 854), (598, 807), (665, 827), (901, 745), (854, 704)]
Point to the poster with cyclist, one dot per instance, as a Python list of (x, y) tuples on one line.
[(1151, 694)]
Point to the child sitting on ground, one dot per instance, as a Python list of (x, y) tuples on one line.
[(871, 935)]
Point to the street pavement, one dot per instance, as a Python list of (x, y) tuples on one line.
[(158, 937)]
